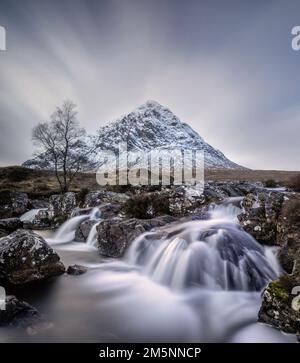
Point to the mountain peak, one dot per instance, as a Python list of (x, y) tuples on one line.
[(151, 104), (151, 126), (154, 109)]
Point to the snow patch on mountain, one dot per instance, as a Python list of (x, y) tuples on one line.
[(150, 127), (153, 127)]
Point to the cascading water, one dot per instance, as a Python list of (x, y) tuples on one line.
[(92, 237), (216, 254), (66, 232), (199, 281)]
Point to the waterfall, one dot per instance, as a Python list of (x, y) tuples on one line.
[(228, 210), (215, 254), (198, 281), (66, 232), (92, 237)]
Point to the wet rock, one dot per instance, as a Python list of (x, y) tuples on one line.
[(106, 211), (62, 205), (260, 216), (281, 299), (96, 198), (185, 200), (26, 257), (93, 199), (13, 204), (280, 306), (176, 201), (20, 203), (114, 236), (68, 202), (214, 193), (218, 191), (76, 270), (110, 210), (39, 204), (55, 204), (288, 234), (20, 314), (40, 221), (10, 224), (83, 230)]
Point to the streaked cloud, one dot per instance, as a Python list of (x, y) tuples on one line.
[(225, 68)]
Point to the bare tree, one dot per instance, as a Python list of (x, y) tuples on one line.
[(62, 144)]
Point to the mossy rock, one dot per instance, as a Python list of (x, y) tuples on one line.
[(280, 289), (145, 206)]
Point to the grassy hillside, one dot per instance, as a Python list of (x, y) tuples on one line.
[(40, 182)]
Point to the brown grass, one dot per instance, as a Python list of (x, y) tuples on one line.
[(43, 183), (279, 176), (40, 182), (294, 182)]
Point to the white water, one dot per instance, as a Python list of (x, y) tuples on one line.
[(195, 282), (66, 233), (92, 237), (216, 254)]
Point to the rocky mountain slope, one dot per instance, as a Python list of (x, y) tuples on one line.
[(150, 127)]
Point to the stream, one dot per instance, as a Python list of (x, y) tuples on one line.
[(198, 281)]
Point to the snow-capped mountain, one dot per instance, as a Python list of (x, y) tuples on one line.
[(150, 127)]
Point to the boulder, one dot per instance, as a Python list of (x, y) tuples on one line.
[(13, 204), (39, 204), (96, 198), (260, 216), (115, 235), (288, 234), (62, 204), (108, 210), (10, 224), (20, 203), (83, 230), (184, 200), (26, 257), (93, 199), (281, 305), (76, 270), (40, 220), (218, 191), (281, 299), (176, 201), (18, 313)]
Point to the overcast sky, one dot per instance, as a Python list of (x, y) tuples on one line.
[(225, 67)]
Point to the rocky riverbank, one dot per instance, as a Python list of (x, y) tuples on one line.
[(271, 216)]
